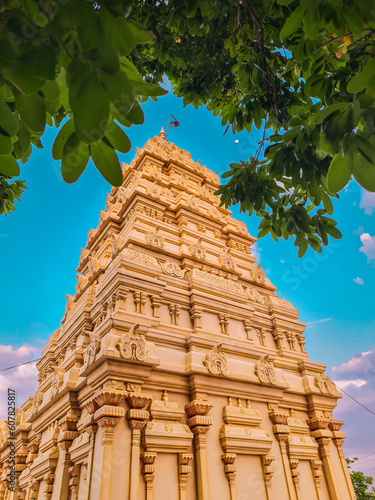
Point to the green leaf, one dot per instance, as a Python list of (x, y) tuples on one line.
[(22, 77), (136, 115), (284, 2), (90, 105), (106, 161), (311, 21), (8, 120), (293, 22), (44, 62), (117, 138), (75, 157), (365, 147), (64, 133), (363, 172), (9, 166), (333, 231), (6, 145), (147, 89), (302, 248), (32, 110), (339, 172), (321, 115), (327, 204), (362, 79), (120, 91), (314, 245)]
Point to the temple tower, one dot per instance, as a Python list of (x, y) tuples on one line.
[(177, 372)]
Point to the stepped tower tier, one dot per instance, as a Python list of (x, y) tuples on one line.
[(177, 372)]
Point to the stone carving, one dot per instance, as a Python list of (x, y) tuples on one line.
[(227, 260), (154, 239), (204, 192), (181, 180), (214, 279), (217, 362), (214, 212), (265, 371), (81, 282), (257, 274), (197, 250), (193, 202), (90, 351), (103, 216), (93, 266), (84, 253), (325, 385), (201, 228), (141, 256), (254, 295), (69, 304), (37, 401), (223, 321), (173, 269), (174, 311), (117, 245), (56, 380), (154, 190), (121, 195), (132, 345), (275, 299), (153, 170)]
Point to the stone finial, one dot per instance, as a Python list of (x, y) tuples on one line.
[(162, 133)]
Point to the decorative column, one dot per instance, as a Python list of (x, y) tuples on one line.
[(196, 316), (105, 413), (199, 422), (148, 471), (137, 417), (338, 438), (184, 471), (68, 432), (91, 431), (155, 304), (294, 463), (48, 488), (316, 466), (282, 431), (318, 427), (73, 483), (230, 472), (268, 471)]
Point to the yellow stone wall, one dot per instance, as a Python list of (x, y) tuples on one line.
[(178, 372)]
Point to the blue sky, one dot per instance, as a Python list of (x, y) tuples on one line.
[(40, 245)]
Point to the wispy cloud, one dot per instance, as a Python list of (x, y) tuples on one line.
[(367, 202), (368, 246), (311, 324), (357, 378), (359, 281), (23, 378)]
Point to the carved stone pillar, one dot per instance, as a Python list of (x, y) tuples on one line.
[(48, 488), (278, 337), (199, 422), (294, 463), (282, 431), (301, 341), (196, 316), (121, 299), (148, 471), (338, 438), (91, 430), (73, 482), (184, 471), (155, 304), (316, 466), (230, 472), (68, 432), (137, 417), (268, 473), (318, 427)]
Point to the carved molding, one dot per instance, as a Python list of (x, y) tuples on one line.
[(132, 345), (173, 269), (197, 250), (325, 385), (217, 362), (154, 239), (265, 371)]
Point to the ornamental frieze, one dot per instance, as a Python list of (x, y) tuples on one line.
[(173, 269), (132, 345), (141, 256), (275, 299), (325, 385), (217, 362), (215, 279), (265, 371), (90, 351), (255, 296)]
